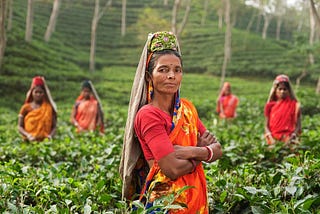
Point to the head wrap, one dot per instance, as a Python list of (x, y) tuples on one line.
[(87, 84), (226, 85), (279, 79), (131, 150), (37, 81), (40, 81)]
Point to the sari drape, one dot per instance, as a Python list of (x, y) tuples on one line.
[(38, 122), (283, 117), (157, 184), (227, 105), (87, 111)]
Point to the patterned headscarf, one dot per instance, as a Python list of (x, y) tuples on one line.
[(140, 92)]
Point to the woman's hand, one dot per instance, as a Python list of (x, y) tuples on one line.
[(30, 137), (206, 139)]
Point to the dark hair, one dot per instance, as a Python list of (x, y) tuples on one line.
[(155, 56), (285, 84), (86, 84)]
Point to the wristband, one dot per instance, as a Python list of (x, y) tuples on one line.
[(210, 153)]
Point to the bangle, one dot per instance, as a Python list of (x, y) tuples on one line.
[(210, 155)]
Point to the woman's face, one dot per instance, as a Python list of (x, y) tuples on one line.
[(282, 91), (38, 94), (86, 92), (167, 74)]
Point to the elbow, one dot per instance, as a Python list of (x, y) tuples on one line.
[(171, 173)]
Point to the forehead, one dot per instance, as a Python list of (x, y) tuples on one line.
[(282, 85), (38, 89), (168, 59)]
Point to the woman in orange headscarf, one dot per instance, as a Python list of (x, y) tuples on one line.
[(87, 113), (165, 142), (227, 102), (38, 115), (282, 113)]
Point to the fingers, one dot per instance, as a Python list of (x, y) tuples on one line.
[(208, 138)]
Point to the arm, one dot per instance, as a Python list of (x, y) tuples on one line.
[(22, 130), (174, 167), (100, 119), (200, 152), (267, 130), (73, 117), (54, 125), (298, 123)]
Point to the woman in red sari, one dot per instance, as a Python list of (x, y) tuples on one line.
[(227, 102), (87, 113), (38, 115), (282, 113), (165, 142)]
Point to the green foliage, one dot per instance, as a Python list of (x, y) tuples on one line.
[(79, 173)]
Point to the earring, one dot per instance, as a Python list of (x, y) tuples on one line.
[(150, 91)]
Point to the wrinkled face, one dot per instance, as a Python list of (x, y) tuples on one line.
[(282, 91), (38, 94), (167, 74), (86, 92)]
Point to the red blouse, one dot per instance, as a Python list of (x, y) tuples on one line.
[(152, 127)]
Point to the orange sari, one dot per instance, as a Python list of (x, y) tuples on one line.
[(38, 122), (227, 106), (87, 111), (157, 184)]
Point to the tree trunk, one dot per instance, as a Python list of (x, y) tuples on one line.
[(185, 18), (165, 2), (2, 31), (53, 20), (265, 25), (174, 16), (227, 42), (318, 86), (94, 25), (220, 15), (300, 77), (258, 23), (205, 11), (29, 21), (316, 19), (279, 23), (9, 15), (251, 21), (123, 18)]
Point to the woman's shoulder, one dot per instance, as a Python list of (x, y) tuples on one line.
[(147, 109)]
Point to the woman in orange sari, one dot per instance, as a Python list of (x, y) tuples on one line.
[(227, 102), (282, 113), (87, 112), (38, 115), (165, 142)]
